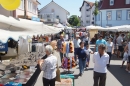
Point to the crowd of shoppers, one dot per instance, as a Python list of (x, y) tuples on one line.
[(104, 49)]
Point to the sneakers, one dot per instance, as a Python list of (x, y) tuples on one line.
[(80, 74)]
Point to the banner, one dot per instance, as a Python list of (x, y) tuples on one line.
[(3, 46)]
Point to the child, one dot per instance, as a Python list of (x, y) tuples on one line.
[(88, 52), (125, 58)]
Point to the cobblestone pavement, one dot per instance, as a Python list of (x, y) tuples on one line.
[(116, 76)]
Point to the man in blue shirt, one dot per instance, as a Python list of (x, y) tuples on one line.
[(99, 41)]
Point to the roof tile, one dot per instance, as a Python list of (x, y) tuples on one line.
[(117, 4)]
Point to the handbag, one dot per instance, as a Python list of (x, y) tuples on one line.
[(58, 74)]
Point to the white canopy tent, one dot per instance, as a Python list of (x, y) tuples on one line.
[(16, 28), (124, 28), (59, 25), (20, 27), (114, 29), (93, 27)]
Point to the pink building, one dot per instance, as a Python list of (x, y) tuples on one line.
[(31, 10)]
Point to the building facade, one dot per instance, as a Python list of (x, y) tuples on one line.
[(31, 9), (87, 16), (52, 13), (113, 13)]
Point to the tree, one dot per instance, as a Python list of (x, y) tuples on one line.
[(96, 10), (74, 21)]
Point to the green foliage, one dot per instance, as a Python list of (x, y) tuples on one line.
[(96, 3), (74, 20), (96, 8), (95, 11)]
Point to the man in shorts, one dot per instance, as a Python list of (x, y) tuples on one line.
[(120, 46)]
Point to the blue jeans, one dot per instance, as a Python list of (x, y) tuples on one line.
[(81, 65)]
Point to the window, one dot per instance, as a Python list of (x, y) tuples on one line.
[(34, 9), (118, 15), (22, 5), (48, 16), (87, 9), (93, 18), (29, 6), (127, 1), (57, 17), (111, 2), (49, 20), (87, 16), (87, 21), (128, 15), (109, 15)]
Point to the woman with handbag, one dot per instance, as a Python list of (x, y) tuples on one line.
[(81, 55), (49, 65)]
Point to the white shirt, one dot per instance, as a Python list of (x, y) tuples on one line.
[(49, 67), (76, 43), (86, 39), (88, 51), (109, 46), (100, 63), (119, 40)]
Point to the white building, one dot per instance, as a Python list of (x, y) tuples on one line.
[(87, 17), (114, 13), (52, 13), (31, 9)]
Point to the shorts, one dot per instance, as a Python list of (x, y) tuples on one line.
[(125, 59), (88, 58), (120, 48), (128, 59)]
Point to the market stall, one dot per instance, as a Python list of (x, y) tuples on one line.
[(24, 68)]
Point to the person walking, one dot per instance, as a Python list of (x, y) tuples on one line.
[(48, 65), (76, 45), (86, 40), (88, 52), (120, 46), (99, 41), (81, 55), (59, 46), (110, 49), (100, 59), (127, 48)]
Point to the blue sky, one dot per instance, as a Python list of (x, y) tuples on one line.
[(70, 5)]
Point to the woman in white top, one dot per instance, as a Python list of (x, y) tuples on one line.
[(49, 65), (110, 48)]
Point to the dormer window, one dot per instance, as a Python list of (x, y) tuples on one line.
[(111, 2), (127, 1)]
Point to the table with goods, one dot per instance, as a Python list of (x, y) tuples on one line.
[(22, 71)]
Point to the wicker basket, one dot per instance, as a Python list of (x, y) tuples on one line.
[(65, 82)]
